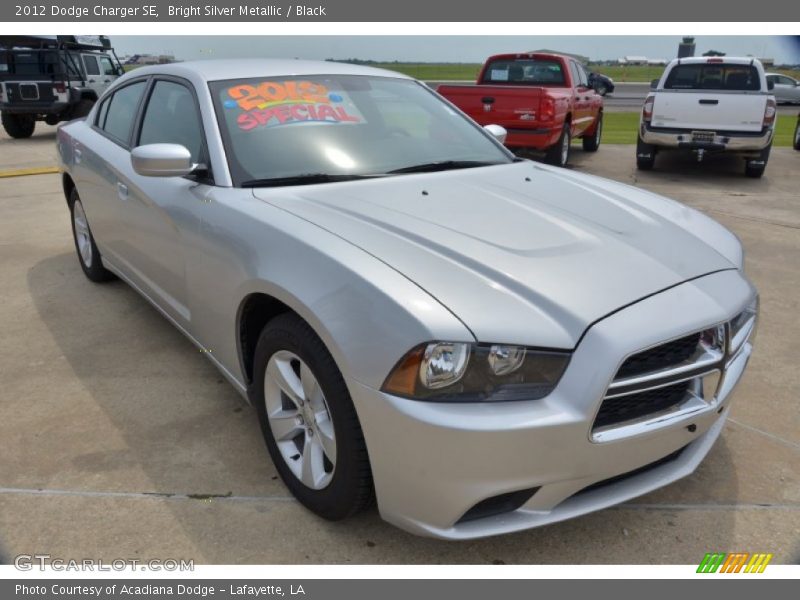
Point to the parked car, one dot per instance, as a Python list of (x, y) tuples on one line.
[(482, 343), (797, 134), (602, 84), (544, 101), (51, 79), (709, 105), (785, 89)]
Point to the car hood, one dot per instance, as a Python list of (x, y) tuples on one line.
[(520, 253)]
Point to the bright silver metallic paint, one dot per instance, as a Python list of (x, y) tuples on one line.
[(566, 261)]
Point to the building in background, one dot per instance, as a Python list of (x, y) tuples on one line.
[(686, 48)]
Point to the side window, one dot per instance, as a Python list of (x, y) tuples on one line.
[(171, 117), (90, 62), (576, 77), (107, 66), (102, 112), (582, 76), (121, 111)]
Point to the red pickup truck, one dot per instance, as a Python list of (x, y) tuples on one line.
[(543, 101)]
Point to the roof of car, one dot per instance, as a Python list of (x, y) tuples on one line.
[(730, 60), (244, 68)]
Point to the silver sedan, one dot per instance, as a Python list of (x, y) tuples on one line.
[(478, 343), (785, 89)]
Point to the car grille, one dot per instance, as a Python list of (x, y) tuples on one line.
[(660, 357), (634, 406), (662, 379)]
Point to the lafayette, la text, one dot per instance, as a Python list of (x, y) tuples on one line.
[(245, 10)]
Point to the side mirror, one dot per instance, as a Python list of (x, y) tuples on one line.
[(654, 84), (162, 160), (499, 133), (770, 85), (120, 71)]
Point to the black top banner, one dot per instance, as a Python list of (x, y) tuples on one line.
[(407, 11)]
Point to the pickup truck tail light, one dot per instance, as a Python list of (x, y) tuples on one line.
[(647, 109), (547, 109), (769, 112)]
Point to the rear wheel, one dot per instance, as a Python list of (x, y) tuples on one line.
[(592, 143), (558, 153), (601, 89), (18, 126), (308, 420), (797, 135), (754, 167), (88, 254), (645, 155)]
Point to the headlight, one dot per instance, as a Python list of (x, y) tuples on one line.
[(743, 326), (460, 372)]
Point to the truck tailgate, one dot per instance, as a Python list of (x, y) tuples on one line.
[(717, 111), (509, 106)]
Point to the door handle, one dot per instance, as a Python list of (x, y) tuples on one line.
[(77, 153), (106, 80), (91, 81), (707, 101), (122, 190)]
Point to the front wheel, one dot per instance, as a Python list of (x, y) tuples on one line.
[(18, 126), (308, 420), (797, 136), (592, 143), (558, 153)]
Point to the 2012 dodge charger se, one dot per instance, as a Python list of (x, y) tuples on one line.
[(481, 344)]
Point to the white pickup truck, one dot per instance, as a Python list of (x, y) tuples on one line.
[(705, 105)]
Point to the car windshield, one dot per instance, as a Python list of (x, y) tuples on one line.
[(320, 128), (713, 76), (526, 71)]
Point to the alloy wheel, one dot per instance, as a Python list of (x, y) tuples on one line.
[(82, 235)]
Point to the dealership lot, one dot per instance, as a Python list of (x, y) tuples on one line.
[(120, 440)]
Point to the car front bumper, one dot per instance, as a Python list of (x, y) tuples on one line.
[(721, 142), (433, 462)]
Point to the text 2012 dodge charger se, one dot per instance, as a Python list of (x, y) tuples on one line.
[(480, 343)]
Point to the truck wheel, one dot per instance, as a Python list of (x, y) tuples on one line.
[(797, 135), (592, 143), (601, 89), (754, 167), (645, 155), (558, 153), (19, 126), (82, 108), (308, 420)]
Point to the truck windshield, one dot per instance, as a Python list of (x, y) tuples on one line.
[(321, 128), (714, 76), (527, 71)]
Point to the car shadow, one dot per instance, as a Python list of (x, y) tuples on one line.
[(190, 433)]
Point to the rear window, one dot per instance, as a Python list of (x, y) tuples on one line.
[(527, 71), (35, 62), (715, 76)]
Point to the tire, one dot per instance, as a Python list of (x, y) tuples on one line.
[(317, 446), (602, 89), (558, 153), (592, 143), (755, 167), (82, 108), (645, 155), (19, 126), (88, 254), (797, 136)]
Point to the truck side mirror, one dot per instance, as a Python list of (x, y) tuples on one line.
[(654, 84)]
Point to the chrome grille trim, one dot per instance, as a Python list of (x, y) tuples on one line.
[(703, 373)]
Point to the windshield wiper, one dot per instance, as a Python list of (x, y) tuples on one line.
[(443, 165), (304, 179)]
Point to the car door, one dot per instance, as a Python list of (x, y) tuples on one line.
[(582, 113), (786, 89), (95, 80), (160, 214)]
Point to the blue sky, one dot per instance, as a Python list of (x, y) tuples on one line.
[(447, 48)]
